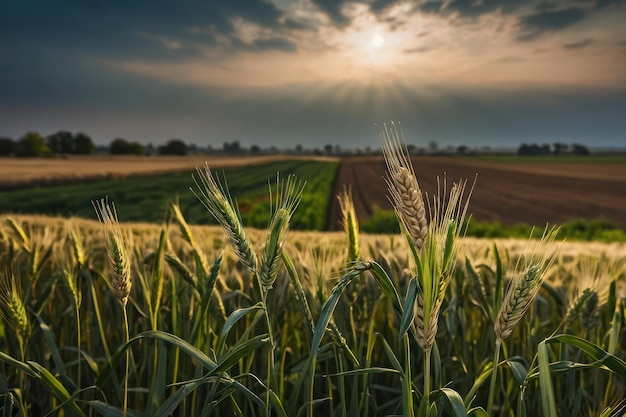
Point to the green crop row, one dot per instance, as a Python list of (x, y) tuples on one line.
[(145, 199)]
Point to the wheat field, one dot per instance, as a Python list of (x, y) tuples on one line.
[(112, 318)]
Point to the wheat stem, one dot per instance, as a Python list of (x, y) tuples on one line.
[(494, 375)]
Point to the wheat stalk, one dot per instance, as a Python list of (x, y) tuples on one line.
[(13, 309), (350, 224), (425, 334), (77, 246), (182, 224), (219, 203), (405, 193), (288, 195), (591, 291), (529, 276), (116, 249), (20, 232)]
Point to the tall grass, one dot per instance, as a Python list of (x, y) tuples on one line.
[(240, 321)]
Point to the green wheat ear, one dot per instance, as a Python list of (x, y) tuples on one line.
[(350, 224), (12, 307), (527, 280), (220, 205), (288, 195), (116, 249)]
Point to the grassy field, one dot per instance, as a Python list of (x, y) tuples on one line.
[(215, 329)]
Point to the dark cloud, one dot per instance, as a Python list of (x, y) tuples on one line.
[(578, 45), (332, 8), (130, 28), (379, 6), (471, 8), (431, 6), (535, 24), (598, 4)]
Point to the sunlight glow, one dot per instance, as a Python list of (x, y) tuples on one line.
[(378, 40)]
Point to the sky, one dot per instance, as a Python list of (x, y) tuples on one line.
[(314, 72)]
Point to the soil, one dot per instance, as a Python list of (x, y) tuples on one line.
[(535, 193)]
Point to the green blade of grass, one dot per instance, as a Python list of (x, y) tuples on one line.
[(234, 317), (548, 403), (451, 400), (407, 316)]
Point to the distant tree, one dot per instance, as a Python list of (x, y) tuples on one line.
[(60, 142), (524, 149), (137, 148), (299, 148), (328, 149), (559, 148), (533, 150), (83, 145), (123, 147), (461, 150), (432, 145), (119, 146), (255, 149), (173, 147), (32, 144), (578, 149), (7, 146), (232, 148)]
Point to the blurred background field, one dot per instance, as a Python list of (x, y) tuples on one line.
[(512, 194)]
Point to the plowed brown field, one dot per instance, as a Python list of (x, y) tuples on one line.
[(531, 192)]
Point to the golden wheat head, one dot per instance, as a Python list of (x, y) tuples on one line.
[(404, 190)]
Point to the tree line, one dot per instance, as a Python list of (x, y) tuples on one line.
[(552, 149), (33, 144)]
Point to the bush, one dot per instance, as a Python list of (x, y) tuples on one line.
[(123, 147), (173, 147), (83, 145), (32, 144)]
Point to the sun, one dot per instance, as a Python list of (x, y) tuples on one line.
[(377, 40)]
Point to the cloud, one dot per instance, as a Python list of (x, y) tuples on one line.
[(431, 6), (332, 8), (578, 45), (122, 29), (379, 6), (535, 24)]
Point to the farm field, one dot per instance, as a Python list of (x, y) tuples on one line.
[(145, 319), (508, 190), (16, 173), (147, 198), (531, 192)]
